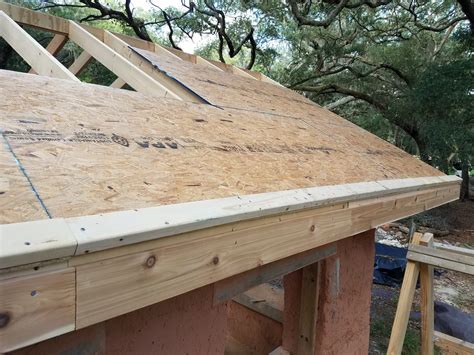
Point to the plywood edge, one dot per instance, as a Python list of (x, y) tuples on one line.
[(87, 234)]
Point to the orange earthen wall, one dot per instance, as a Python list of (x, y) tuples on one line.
[(344, 303), (187, 324)]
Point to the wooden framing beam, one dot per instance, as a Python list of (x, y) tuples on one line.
[(228, 288), (116, 63), (39, 59), (54, 46), (35, 19), (310, 285), (174, 88), (80, 63)]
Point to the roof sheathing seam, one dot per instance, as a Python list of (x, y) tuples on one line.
[(59, 238)]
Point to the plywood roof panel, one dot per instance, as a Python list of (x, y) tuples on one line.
[(90, 149)]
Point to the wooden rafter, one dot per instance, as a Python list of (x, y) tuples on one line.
[(40, 60), (116, 63), (171, 85), (61, 26), (54, 46)]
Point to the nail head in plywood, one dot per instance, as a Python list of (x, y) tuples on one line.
[(40, 60), (35, 308)]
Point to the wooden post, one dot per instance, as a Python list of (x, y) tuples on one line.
[(309, 308), (427, 305), (405, 301)]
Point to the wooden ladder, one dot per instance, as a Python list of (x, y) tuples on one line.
[(423, 255)]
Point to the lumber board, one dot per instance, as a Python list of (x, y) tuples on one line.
[(407, 292), (80, 63), (175, 89), (427, 301), (191, 260), (450, 345), (455, 249), (55, 45), (115, 62), (30, 242), (259, 306), (113, 230), (40, 60), (35, 19), (226, 289), (440, 262), (443, 254), (310, 289), (35, 308)]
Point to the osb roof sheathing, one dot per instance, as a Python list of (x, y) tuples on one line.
[(72, 149)]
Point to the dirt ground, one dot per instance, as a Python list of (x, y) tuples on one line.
[(451, 224)]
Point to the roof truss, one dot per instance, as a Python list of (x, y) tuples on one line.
[(110, 49)]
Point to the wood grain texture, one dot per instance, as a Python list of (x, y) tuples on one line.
[(118, 281), (38, 307), (100, 149)]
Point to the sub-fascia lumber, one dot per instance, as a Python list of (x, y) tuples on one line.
[(39, 59), (87, 234)]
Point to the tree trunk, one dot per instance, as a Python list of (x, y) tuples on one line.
[(464, 195)]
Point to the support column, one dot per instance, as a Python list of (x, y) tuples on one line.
[(343, 307)]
